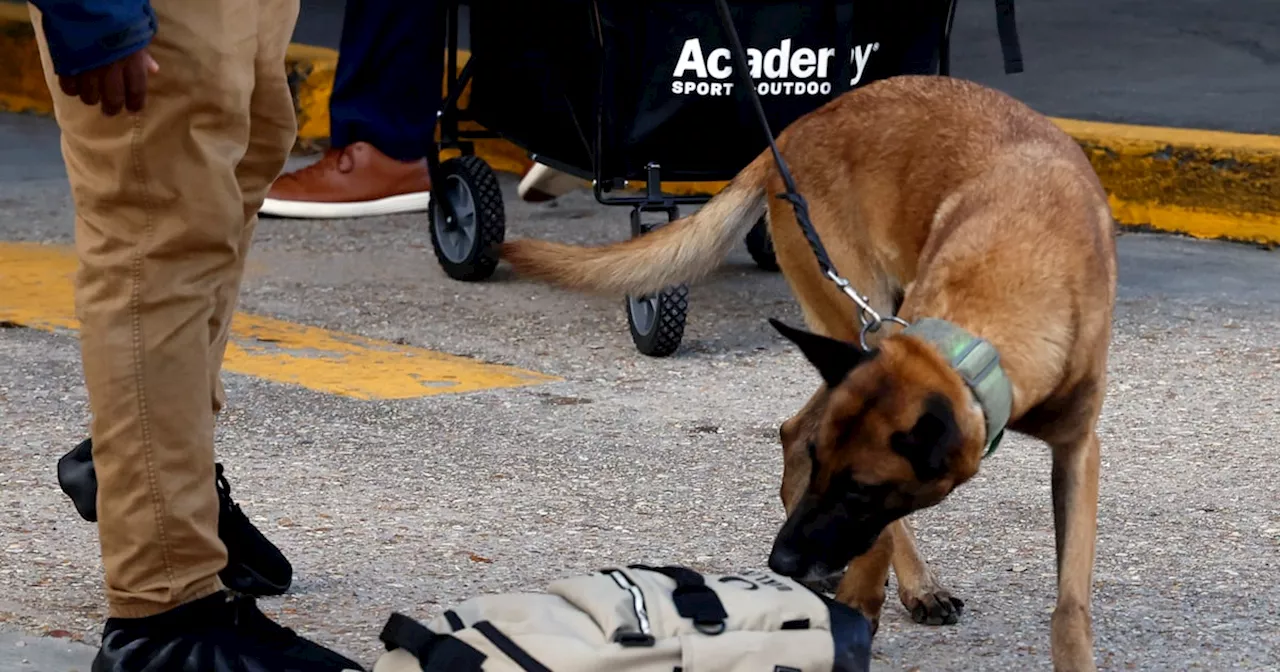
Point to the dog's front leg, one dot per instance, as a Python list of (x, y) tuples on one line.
[(863, 583), (928, 601), (1075, 518)]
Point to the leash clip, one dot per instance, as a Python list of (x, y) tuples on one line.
[(874, 326), (870, 319)]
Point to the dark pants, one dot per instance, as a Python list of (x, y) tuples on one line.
[(388, 84)]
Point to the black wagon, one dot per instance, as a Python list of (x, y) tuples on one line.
[(644, 91)]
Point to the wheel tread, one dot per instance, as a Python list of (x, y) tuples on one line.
[(760, 246), (668, 331), (491, 225)]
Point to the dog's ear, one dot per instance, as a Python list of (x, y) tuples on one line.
[(928, 444), (833, 358)]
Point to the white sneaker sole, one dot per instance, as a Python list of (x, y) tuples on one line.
[(547, 181), (416, 202)]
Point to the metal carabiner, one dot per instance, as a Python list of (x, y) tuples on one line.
[(872, 327)]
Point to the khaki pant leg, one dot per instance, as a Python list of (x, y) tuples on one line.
[(273, 128), (158, 217)]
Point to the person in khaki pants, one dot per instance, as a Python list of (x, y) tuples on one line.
[(183, 120)]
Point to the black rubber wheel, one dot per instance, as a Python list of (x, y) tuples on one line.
[(466, 245), (760, 245), (657, 320)]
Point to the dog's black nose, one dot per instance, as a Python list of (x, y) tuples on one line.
[(784, 561)]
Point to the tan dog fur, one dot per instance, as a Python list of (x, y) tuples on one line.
[(959, 203)]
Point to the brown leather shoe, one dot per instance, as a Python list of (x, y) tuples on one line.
[(355, 181)]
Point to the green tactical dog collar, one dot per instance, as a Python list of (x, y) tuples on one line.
[(978, 363)]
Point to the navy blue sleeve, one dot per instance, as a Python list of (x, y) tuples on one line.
[(87, 34)]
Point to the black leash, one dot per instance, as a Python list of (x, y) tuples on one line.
[(1007, 25), (871, 320), (797, 201)]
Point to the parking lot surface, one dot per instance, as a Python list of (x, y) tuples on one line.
[(566, 451)]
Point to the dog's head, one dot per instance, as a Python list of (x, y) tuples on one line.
[(894, 431)]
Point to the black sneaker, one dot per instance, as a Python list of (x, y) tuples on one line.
[(79, 481), (254, 565), (218, 633)]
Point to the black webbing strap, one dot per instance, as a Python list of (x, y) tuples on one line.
[(512, 650), (402, 632), (693, 598), (1007, 26), (454, 621), (797, 201), (435, 652), (453, 655)]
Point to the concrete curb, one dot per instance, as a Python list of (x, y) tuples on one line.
[(22, 87), (1206, 184)]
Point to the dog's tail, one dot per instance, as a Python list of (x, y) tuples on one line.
[(682, 251)]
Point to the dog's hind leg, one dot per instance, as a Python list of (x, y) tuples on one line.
[(1075, 522), (924, 597)]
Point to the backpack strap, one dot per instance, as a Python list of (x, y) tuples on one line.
[(693, 598), (402, 632), (642, 635), (454, 621), (512, 650), (451, 654), (435, 652)]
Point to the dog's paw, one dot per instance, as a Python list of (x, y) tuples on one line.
[(933, 607)]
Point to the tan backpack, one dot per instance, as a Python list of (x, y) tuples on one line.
[(638, 619)]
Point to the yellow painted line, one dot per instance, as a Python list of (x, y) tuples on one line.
[(36, 291)]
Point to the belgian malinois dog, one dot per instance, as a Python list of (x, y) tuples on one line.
[(985, 228)]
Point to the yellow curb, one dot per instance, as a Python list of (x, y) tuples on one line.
[(36, 291), (1207, 184), (311, 70), (22, 87)]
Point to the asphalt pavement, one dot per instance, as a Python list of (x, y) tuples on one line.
[(415, 504), (1183, 63)]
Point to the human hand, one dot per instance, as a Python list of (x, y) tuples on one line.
[(121, 84)]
